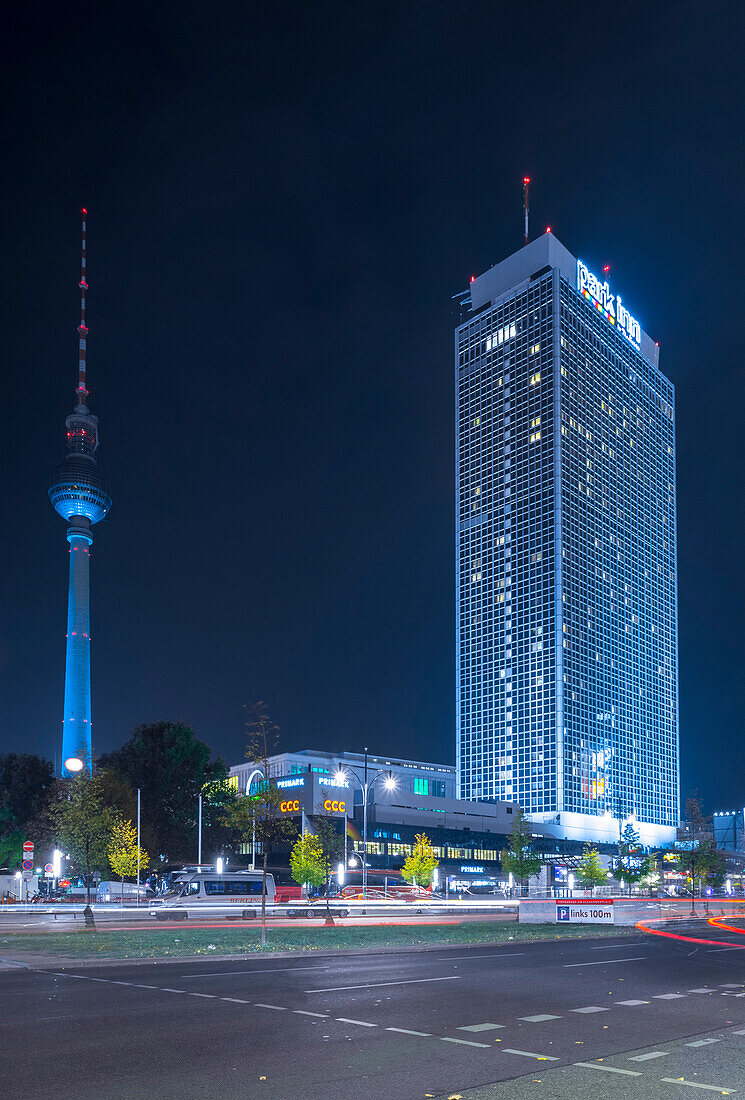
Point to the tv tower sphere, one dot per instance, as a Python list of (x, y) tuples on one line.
[(80, 494)]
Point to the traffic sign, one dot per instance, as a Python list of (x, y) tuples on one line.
[(49, 868), (28, 865), (28, 845)]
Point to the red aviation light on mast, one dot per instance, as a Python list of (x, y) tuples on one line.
[(82, 389), (526, 189)]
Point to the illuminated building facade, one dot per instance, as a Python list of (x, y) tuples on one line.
[(567, 653), (80, 494)]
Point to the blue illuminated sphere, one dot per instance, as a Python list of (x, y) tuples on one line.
[(80, 489)]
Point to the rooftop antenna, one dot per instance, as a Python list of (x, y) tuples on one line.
[(82, 391), (526, 188)]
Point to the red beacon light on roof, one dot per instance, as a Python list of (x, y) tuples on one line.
[(606, 269), (526, 179), (473, 278), (548, 228)]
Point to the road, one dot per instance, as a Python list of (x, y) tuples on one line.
[(623, 1017)]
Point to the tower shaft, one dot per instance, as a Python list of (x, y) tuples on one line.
[(76, 723)]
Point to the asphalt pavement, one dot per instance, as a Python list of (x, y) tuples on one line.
[(634, 1017)]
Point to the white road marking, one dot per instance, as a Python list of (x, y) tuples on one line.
[(277, 1008), (538, 1019), (375, 985), (590, 1008), (140, 986), (738, 1032), (302, 1012), (721, 1089), (703, 1042), (702, 990), (529, 1054), (648, 1057), (668, 996), (164, 989), (270, 970), (609, 1069), (235, 1000), (632, 1002), (504, 955), (405, 1031), (112, 982), (360, 1023), (463, 1042), (607, 962), (479, 1027), (618, 946), (210, 995), (730, 985)]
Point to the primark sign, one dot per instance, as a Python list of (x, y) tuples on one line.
[(610, 305)]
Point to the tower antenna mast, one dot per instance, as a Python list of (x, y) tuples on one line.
[(82, 392), (526, 188)]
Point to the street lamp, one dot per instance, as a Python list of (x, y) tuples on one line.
[(219, 865), (366, 784)]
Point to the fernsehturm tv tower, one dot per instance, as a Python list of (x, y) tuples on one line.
[(80, 493)]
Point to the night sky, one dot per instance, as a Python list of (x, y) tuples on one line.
[(282, 200)]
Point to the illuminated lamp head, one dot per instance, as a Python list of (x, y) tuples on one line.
[(389, 783)]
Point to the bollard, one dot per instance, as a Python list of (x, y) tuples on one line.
[(89, 921)]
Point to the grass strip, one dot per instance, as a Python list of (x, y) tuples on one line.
[(211, 942)]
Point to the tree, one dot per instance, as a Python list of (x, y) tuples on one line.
[(125, 857), (26, 788), (632, 865), (83, 824), (699, 859), (418, 868), (258, 816), (590, 870), (306, 861), (519, 859), (170, 767), (332, 848)]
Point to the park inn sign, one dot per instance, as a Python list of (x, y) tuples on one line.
[(610, 305)]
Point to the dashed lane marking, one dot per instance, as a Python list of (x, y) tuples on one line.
[(375, 985), (631, 1002), (503, 955), (648, 1057), (722, 1090), (702, 989), (668, 996), (607, 962), (730, 985), (405, 1031), (609, 1069), (589, 1008), (738, 1032), (538, 1019), (463, 1042), (529, 1054), (619, 946), (479, 1027), (302, 1012), (703, 1042), (211, 996), (360, 1023), (235, 1000), (270, 970), (277, 1008), (165, 989)]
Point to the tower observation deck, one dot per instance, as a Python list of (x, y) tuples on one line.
[(80, 494)]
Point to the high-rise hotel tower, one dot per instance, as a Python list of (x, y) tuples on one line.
[(567, 648), (80, 494)]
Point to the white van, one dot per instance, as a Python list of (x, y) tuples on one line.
[(236, 894), (115, 890)]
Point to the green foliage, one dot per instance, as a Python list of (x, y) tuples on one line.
[(26, 787), (170, 767), (632, 866), (590, 870), (124, 855), (84, 823), (11, 849), (519, 859), (306, 861), (702, 864), (419, 866)]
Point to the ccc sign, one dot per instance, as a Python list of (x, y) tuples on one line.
[(331, 806), (290, 807)]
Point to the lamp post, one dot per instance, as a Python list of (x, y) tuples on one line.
[(252, 776), (366, 784)]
